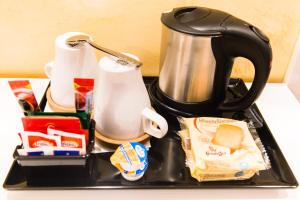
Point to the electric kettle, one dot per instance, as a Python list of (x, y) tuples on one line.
[(198, 48)]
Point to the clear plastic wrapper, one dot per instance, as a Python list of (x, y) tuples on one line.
[(221, 149)]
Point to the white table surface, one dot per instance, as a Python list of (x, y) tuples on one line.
[(277, 104)]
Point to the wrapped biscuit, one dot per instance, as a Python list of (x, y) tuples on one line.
[(220, 149)]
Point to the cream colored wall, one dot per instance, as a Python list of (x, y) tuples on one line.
[(28, 29)]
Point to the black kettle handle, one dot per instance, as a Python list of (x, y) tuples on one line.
[(244, 40)]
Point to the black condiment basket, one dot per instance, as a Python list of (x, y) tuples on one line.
[(48, 160)]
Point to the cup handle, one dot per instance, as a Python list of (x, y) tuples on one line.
[(48, 69), (150, 116)]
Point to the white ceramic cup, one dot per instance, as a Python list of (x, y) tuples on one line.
[(122, 105), (69, 63)]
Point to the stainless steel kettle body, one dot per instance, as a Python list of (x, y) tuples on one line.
[(198, 48), (187, 66)]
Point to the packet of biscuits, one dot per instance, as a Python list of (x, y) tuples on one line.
[(219, 149)]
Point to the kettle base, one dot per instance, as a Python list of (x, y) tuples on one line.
[(171, 109)]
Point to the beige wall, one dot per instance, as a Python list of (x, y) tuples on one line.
[(28, 29)]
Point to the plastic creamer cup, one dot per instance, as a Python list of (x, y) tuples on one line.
[(131, 160)]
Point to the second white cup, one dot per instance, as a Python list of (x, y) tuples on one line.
[(122, 105)]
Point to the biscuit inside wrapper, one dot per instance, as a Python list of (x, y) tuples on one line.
[(219, 149)]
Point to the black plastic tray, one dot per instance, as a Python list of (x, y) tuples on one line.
[(166, 164)]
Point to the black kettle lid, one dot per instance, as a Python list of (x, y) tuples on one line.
[(195, 20)]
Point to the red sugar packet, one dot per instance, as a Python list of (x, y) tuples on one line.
[(84, 89), (24, 94)]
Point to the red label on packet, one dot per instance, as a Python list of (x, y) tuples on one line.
[(70, 140), (24, 94), (36, 139), (84, 94)]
